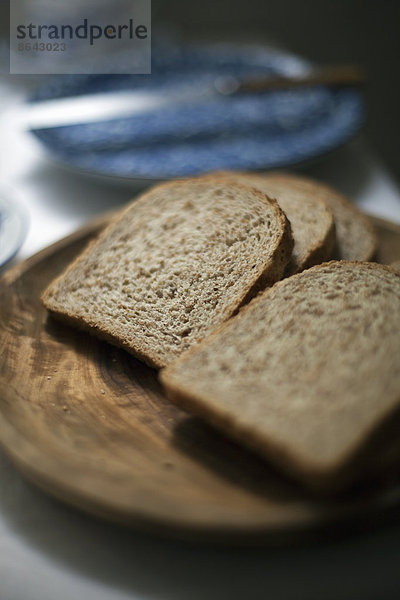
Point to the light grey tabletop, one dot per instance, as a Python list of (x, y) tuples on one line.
[(49, 551)]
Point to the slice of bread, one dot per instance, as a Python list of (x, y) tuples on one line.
[(311, 218), (174, 264), (355, 236), (305, 373)]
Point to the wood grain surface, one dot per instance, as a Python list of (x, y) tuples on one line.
[(90, 424)]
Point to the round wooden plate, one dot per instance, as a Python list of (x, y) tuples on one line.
[(91, 425)]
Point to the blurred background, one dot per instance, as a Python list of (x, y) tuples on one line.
[(326, 31), (365, 32)]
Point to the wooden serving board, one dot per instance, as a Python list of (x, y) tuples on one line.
[(91, 425)]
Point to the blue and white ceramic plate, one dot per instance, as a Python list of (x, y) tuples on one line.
[(244, 131), (13, 227)]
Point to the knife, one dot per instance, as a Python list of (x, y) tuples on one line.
[(103, 106)]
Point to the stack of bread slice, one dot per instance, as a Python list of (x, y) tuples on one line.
[(173, 265), (222, 279)]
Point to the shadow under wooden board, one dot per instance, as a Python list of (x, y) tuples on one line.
[(90, 425)]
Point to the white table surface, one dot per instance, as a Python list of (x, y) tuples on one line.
[(51, 552)]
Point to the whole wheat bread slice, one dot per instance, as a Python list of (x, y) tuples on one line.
[(304, 373), (355, 236), (311, 217), (174, 264)]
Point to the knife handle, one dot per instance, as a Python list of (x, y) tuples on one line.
[(334, 76)]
